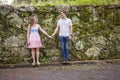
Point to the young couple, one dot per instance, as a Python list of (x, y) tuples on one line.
[(64, 26)]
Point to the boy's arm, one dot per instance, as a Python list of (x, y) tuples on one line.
[(55, 31)]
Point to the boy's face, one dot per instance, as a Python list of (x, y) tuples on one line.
[(62, 14)]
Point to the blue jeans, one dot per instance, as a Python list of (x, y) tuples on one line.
[(64, 42)]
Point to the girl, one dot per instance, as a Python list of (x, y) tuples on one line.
[(33, 39)]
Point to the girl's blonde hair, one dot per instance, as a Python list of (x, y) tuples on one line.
[(33, 20)]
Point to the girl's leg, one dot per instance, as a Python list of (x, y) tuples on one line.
[(37, 55), (33, 55)]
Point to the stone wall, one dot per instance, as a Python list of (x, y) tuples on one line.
[(96, 32)]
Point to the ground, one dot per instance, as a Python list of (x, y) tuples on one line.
[(104, 71)]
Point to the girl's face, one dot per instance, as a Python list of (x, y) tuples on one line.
[(33, 20)]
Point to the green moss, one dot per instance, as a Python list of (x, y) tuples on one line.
[(74, 2)]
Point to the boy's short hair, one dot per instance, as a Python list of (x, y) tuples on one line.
[(63, 11)]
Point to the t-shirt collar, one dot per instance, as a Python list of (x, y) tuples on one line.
[(64, 18)]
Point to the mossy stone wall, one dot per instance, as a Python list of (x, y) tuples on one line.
[(96, 32)]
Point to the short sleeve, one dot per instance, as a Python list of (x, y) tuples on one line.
[(70, 22)]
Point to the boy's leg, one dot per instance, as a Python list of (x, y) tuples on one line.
[(66, 48), (62, 43)]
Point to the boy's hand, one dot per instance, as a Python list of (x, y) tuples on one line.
[(52, 35), (70, 37)]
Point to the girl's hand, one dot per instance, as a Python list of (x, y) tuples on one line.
[(28, 42), (50, 36)]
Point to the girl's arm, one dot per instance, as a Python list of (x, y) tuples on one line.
[(28, 32), (44, 32)]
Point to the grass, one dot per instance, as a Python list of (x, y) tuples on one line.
[(75, 2)]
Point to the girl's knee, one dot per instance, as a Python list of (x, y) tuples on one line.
[(37, 49), (32, 49)]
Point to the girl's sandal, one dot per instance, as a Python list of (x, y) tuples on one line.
[(38, 64), (33, 64)]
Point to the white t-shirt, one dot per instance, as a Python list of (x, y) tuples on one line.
[(64, 25)]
